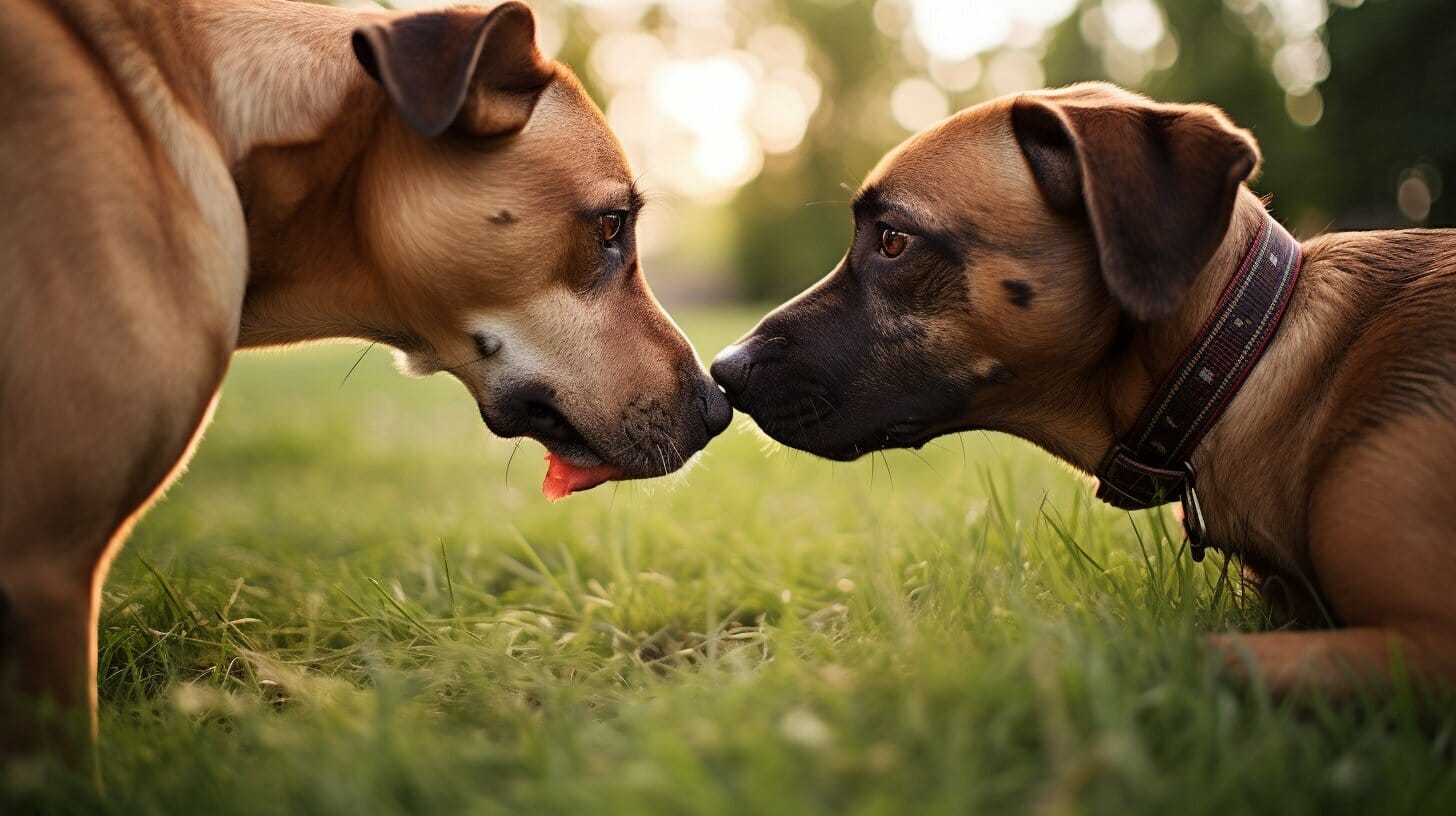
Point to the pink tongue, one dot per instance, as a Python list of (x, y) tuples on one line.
[(563, 478)]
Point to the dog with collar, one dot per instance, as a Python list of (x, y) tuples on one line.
[(1085, 268), (190, 178)]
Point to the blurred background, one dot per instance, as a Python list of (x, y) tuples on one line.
[(356, 601), (751, 121)]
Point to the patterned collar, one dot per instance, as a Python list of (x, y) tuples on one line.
[(1151, 464)]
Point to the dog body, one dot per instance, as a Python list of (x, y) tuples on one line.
[(188, 178), (1037, 265)]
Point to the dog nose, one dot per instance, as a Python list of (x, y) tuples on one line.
[(730, 369), (717, 413)]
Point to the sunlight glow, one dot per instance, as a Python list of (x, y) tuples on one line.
[(1135, 24), (1294, 30), (955, 29), (917, 103), (702, 95), (956, 76), (696, 114), (1012, 71)]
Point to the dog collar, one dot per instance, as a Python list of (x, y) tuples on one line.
[(1150, 465)]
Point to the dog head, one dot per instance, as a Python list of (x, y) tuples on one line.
[(996, 259), (500, 213)]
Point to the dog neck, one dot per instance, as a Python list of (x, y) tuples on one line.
[(278, 72), (294, 113), (1113, 398)]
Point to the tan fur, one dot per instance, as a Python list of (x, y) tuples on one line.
[(197, 176), (1330, 475), (1363, 521)]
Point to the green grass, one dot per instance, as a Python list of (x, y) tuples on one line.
[(348, 606)]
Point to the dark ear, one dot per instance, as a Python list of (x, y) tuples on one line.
[(1155, 183), (480, 71)]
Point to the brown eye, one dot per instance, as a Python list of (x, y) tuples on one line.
[(892, 242), (609, 226)]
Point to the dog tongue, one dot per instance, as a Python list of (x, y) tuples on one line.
[(563, 478)]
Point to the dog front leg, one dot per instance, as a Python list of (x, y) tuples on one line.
[(1339, 662), (47, 657)]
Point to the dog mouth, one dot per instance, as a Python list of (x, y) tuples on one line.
[(560, 435), (573, 464), (912, 434), (795, 408), (650, 435), (817, 425), (564, 476)]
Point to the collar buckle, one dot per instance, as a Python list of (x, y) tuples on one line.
[(1194, 526), (1150, 466)]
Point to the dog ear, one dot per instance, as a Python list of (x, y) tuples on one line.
[(1155, 183), (479, 71)]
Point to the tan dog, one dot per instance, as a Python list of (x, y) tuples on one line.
[(1038, 264), (187, 178)]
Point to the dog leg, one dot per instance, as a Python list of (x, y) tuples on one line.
[(51, 574), (48, 658), (1336, 662), (71, 504), (1380, 547)]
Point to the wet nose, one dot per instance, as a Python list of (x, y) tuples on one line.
[(717, 413), (730, 369)]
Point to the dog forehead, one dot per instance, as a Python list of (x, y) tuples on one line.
[(567, 123), (959, 166)]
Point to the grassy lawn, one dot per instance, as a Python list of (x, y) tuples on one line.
[(355, 602)]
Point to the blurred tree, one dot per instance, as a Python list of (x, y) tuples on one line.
[(1377, 142), (1351, 101)]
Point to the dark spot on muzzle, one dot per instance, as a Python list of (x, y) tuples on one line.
[(1020, 291)]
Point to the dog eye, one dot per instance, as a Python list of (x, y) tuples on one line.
[(609, 226), (892, 242)]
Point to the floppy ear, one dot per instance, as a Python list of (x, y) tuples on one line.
[(1155, 183), (479, 71)]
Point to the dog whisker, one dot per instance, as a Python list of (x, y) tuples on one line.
[(510, 460), (455, 368), (357, 361)]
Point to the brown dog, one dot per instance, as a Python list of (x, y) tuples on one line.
[(1038, 264), (188, 178)]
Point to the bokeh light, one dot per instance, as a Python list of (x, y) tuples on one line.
[(916, 103), (747, 120), (703, 93)]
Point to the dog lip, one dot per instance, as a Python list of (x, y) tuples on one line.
[(579, 453), (905, 434), (910, 433)]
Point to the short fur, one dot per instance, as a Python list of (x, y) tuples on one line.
[(189, 177), (1330, 474)]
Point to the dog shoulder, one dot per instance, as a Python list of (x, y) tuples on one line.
[(1401, 363)]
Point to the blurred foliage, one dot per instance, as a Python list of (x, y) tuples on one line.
[(1350, 100), (1388, 107)]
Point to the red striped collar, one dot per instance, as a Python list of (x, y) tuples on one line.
[(1151, 465)]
